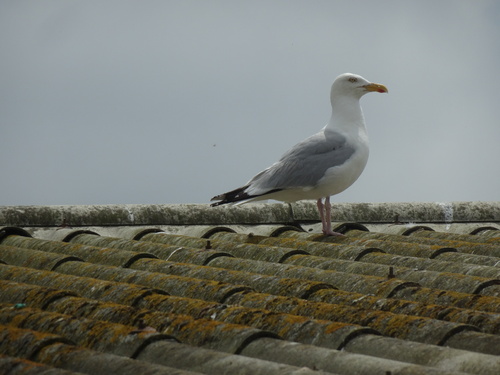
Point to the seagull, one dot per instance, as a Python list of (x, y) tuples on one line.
[(322, 165)]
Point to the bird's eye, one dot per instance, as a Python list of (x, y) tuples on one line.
[(352, 79)]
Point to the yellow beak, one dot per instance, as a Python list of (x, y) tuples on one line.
[(376, 87)]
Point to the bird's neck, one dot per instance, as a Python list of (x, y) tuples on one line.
[(347, 115)]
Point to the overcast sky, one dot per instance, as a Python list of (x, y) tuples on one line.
[(108, 102)]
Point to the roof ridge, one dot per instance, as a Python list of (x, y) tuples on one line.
[(260, 213)]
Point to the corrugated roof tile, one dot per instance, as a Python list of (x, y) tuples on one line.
[(135, 343), (196, 282), (15, 366)]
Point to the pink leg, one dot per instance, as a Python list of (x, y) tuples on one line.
[(319, 203), (325, 212), (328, 215)]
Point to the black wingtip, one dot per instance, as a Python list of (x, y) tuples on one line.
[(232, 196), (237, 195)]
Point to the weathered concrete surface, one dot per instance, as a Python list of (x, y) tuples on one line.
[(260, 213)]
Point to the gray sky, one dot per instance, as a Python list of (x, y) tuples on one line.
[(176, 101)]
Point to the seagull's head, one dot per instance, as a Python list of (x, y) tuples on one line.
[(352, 85)]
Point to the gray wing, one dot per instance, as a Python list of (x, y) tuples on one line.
[(304, 164)]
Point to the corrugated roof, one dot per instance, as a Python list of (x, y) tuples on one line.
[(254, 289)]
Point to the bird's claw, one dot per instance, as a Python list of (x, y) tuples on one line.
[(332, 233)]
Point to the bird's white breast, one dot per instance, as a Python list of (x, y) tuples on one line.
[(339, 178)]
